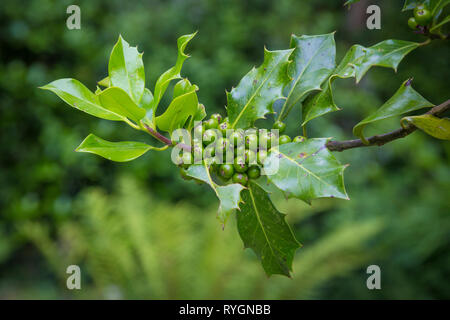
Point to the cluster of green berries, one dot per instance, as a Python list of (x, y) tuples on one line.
[(250, 149), (422, 17)]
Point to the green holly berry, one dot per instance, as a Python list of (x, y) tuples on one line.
[(254, 172), (209, 136), (216, 116), (237, 138), (251, 140), (412, 23), (197, 151), (222, 145), (419, 7), (211, 124), (226, 171), (280, 126), (223, 127), (265, 139), (299, 139), (209, 153), (198, 131), (240, 151), (184, 174), (422, 16), (186, 159), (262, 155), (284, 139), (240, 165), (241, 178), (250, 156)]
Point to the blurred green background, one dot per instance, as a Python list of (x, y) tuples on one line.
[(137, 230)]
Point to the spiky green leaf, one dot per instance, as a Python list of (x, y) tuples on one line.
[(258, 90), (126, 69), (406, 99), (306, 170), (163, 81), (313, 60), (264, 229), (183, 106), (386, 54), (411, 4), (355, 64), (229, 195), (349, 2)]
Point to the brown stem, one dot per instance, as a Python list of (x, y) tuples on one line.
[(379, 140), (164, 139)]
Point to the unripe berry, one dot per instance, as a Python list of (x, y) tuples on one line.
[(241, 178), (251, 140), (412, 23), (226, 171), (262, 155), (209, 137), (223, 127), (284, 139), (199, 130), (186, 159), (298, 139), (254, 172), (237, 138), (240, 165), (184, 174), (217, 117), (281, 126), (422, 16), (211, 124)]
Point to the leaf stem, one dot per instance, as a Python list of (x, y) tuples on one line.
[(379, 140), (158, 136), (132, 124)]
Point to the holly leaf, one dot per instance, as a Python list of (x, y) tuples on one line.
[(183, 106), (126, 69), (198, 116), (105, 82), (406, 99), (355, 64), (163, 81), (434, 126), (146, 104), (268, 186), (258, 90), (313, 60), (75, 94), (264, 229), (411, 4), (349, 2), (386, 54), (118, 101), (306, 170), (323, 102), (229, 195), (116, 151)]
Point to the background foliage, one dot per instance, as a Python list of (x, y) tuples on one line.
[(138, 230)]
